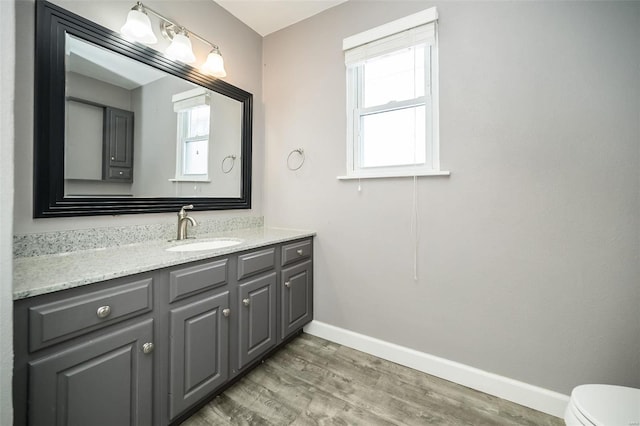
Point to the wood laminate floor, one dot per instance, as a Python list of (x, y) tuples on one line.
[(315, 382)]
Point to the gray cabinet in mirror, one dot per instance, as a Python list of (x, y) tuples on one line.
[(172, 146)]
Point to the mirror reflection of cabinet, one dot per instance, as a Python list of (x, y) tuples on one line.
[(99, 143), (118, 145)]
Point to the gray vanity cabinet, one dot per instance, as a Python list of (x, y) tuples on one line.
[(256, 318), (296, 287), (199, 312), (149, 349), (256, 306), (84, 384), (85, 356), (296, 305), (199, 361)]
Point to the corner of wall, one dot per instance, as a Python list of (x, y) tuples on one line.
[(7, 44)]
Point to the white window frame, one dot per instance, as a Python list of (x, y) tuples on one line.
[(393, 36), (183, 103)]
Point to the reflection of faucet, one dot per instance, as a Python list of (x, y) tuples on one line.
[(183, 218)]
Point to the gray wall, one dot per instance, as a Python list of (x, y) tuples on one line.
[(528, 257), (7, 76), (154, 153), (242, 51)]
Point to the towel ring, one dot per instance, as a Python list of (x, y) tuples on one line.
[(300, 152), (233, 162)]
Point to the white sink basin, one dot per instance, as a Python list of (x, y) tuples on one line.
[(218, 243)]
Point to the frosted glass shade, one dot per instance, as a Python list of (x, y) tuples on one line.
[(214, 65), (180, 49), (138, 27)]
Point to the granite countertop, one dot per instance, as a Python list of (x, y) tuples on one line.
[(37, 275)]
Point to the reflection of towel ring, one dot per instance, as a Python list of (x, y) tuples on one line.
[(233, 162), (300, 152)]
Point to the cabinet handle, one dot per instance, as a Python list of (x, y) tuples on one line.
[(287, 284), (226, 312), (147, 348), (113, 158), (300, 252), (103, 311), (121, 173), (246, 302)]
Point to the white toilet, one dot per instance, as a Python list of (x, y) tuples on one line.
[(603, 405)]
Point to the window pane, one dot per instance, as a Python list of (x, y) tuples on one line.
[(195, 157), (396, 76), (198, 124), (393, 138)]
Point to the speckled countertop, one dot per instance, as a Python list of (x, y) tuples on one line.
[(37, 275)]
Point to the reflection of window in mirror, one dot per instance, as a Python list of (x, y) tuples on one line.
[(192, 152)]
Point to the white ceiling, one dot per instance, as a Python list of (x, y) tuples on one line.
[(267, 16)]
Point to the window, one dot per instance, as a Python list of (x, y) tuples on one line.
[(392, 99), (192, 153)]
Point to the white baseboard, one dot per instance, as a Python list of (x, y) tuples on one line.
[(535, 397)]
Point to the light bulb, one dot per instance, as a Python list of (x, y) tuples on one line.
[(138, 26), (214, 64), (180, 48)]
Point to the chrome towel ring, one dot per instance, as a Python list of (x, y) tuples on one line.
[(300, 153), (224, 161)]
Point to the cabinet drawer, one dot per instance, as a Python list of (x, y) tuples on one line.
[(123, 173), (295, 252), (258, 261), (58, 321), (195, 279)]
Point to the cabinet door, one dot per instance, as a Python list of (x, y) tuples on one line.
[(296, 298), (118, 144), (105, 381), (257, 318), (199, 351)]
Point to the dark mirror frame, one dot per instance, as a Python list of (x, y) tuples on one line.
[(52, 23)]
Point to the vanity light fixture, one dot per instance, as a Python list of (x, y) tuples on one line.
[(214, 64), (180, 48), (138, 28)]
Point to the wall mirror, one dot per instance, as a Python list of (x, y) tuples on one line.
[(120, 128)]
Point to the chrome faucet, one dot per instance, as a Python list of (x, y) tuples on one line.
[(183, 219)]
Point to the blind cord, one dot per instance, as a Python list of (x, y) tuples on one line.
[(415, 228)]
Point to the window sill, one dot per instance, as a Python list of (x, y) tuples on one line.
[(394, 175), (189, 180)]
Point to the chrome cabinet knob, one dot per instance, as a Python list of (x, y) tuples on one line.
[(287, 284), (113, 158), (121, 173), (246, 302), (300, 252), (103, 311), (147, 348), (226, 312)]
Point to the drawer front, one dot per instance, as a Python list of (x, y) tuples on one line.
[(259, 261), (297, 251), (58, 321), (195, 279), (123, 173)]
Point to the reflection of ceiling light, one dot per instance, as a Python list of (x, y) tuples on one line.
[(138, 28), (215, 64)]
